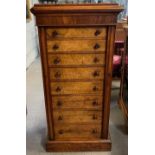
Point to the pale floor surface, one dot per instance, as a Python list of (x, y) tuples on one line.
[(36, 119)]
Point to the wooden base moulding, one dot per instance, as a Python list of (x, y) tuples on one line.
[(70, 146)]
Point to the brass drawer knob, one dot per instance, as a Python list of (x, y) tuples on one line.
[(55, 47), (95, 88), (94, 117), (96, 73), (96, 60), (94, 131), (97, 32), (60, 131), (95, 103), (58, 89), (59, 103), (55, 33), (60, 118), (57, 75), (56, 61), (96, 46)]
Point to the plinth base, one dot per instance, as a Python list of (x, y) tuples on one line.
[(71, 146)]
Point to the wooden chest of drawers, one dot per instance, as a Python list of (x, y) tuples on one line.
[(76, 44)]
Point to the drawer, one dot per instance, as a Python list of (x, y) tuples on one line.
[(77, 131), (93, 102), (62, 88), (76, 33), (92, 73), (73, 45), (76, 59), (77, 116)]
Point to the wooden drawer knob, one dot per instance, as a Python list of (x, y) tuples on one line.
[(56, 61), (59, 103), (96, 46), (57, 75), (55, 33), (60, 118), (96, 73), (97, 32), (96, 60), (94, 131), (60, 132), (95, 103), (55, 47), (95, 88), (58, 89), (94, 117)]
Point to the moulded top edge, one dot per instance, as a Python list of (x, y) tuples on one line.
[(76, 8)]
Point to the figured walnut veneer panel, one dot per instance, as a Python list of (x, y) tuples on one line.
[(60, 33), (78, 131), (75, 45), (76, 59), (61, 88), (77, 116), (76, 20), (93, 102), (91, 73)]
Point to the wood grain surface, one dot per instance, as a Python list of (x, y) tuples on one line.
[(90, 73), (86, 102), (75, 45), (78, 131), (69, 33), (77, 116), (76, 59), (64, 88), (79, 145)]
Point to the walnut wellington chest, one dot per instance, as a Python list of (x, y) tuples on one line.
[(76, 46)]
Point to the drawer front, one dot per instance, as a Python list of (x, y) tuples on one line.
[(77, 116), (93, 102), (73, 45), (76, 59), (76, 33), (93, 73), (77, 131), (62, 88)]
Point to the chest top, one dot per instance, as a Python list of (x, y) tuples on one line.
[(76, 14)]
